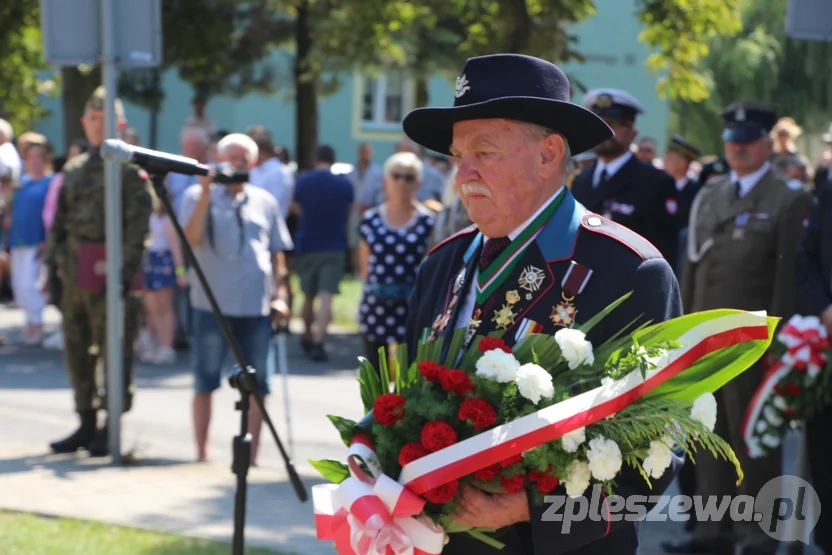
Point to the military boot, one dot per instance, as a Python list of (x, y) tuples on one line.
[(80, 438), (100, 445)]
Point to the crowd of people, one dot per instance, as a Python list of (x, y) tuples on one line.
[(731, 246)]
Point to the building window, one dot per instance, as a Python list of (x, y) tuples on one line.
[(384, 100)]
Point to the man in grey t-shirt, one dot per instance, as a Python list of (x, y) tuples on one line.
[(238, 235)]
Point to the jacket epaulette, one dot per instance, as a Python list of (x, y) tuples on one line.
[(461, 233), (624, 235)]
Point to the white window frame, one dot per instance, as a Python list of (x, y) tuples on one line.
[(380, 102)]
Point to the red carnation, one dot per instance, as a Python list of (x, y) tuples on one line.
[(437, 435), (488, 473), (430, 370), (546, 481), (388, 409), (456, 381), (514, 483), (505, 463), (492, 343), (778, 389), (477, 412), (410, 453), (442, 494), (793, 389)]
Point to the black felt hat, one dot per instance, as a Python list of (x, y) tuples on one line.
[(509, 86)]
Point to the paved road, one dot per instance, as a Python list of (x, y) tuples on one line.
[(165, 490)]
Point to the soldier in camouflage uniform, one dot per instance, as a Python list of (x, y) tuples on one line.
[(79, 226)]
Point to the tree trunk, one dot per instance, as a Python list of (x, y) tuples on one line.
[(306, 96), (422, 94), (77, 88)]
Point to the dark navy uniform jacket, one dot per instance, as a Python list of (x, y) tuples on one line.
[(621, 261), (638, 196), (814, 261), (686, 196)]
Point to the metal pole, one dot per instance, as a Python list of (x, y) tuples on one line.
[(112, 183)]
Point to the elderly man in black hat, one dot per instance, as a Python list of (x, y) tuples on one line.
[(622, 187), (744, 234), (512, 132)]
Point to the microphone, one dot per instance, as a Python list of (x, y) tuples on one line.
[(114, 150)]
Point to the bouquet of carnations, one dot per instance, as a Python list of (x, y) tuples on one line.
[(550, 410), (797, 385)]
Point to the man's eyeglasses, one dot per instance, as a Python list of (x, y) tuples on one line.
[(406, 177)]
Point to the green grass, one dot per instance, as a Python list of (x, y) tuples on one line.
[(344, 305), (24, 534)]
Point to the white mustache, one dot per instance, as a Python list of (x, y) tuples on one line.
[(475, 188)]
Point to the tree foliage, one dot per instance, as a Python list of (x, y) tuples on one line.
[(21, 59), (216, 47), (760, 63)]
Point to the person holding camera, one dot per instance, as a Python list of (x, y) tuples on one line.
[(239, 237)]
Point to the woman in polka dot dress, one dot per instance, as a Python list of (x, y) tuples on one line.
[(394, 240)]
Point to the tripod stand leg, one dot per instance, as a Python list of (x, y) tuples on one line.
[(241, 448)]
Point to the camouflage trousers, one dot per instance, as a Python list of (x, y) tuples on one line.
[(85, 347)]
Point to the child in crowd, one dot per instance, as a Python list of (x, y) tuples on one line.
[(163, 272)]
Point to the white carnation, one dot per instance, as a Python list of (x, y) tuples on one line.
[(574, 347), (770, 440), (761, 426), (577, 478), (534, 383), (573, 440), (658, 458), (498, 365), (704, 410), (779, 402), (772, 417), (604, 458)]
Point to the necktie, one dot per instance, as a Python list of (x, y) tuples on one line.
[(602, 177), (737, 190), (491, 250)]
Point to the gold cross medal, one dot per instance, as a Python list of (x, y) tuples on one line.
[(506, 315), (564, 313), (473, 324), (573, 284), (531, 279)]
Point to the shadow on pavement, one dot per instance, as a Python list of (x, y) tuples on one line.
[(37, 368), (64, 465)]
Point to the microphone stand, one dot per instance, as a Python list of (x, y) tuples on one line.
[(243, 379)]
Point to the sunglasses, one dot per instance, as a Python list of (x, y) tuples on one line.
[(406, 177)]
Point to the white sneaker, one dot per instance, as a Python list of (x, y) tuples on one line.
[(164, 355), (54, 341)]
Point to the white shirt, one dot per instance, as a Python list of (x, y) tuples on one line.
[(10, 163), (747, 182), (273, 176), (467, 308), (680, 183), (612, 167)]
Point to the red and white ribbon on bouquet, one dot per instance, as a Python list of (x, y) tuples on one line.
[(372, 514), (806, 341)]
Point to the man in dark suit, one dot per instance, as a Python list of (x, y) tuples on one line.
[(680, 153), (534, 261), (620, 186), (814, 297)]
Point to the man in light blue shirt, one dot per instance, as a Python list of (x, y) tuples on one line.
[(239, 237)]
